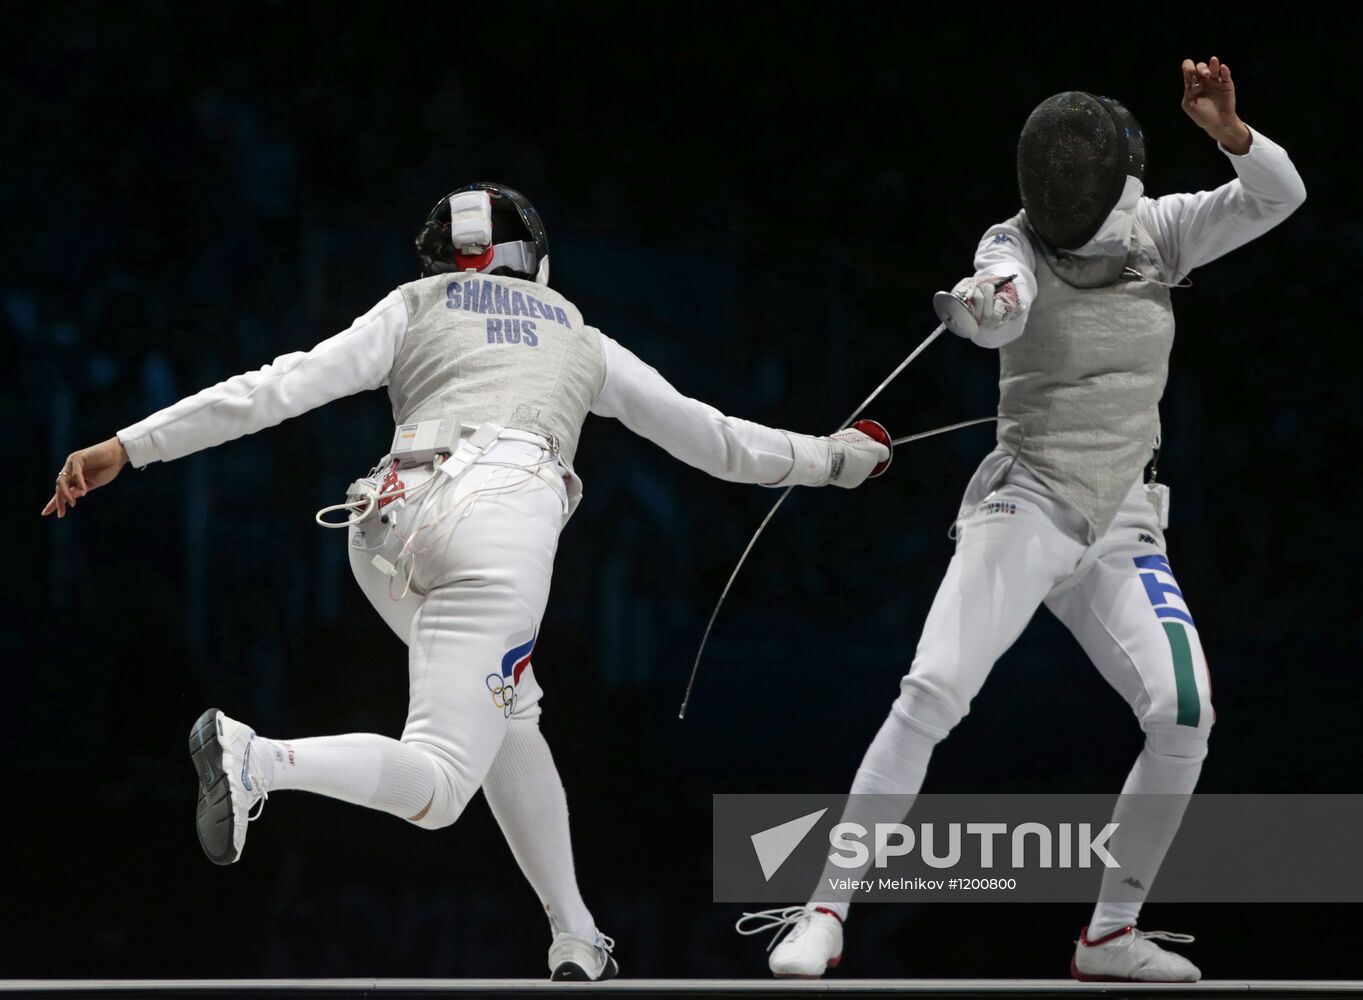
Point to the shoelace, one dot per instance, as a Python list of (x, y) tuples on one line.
[(1165, 936), (251, 817), (780, 920), (604, 946)]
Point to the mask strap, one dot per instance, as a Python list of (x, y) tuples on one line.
[(519, 257)]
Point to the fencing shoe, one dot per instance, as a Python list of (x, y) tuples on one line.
[(573, 958), (812, 941), (230, 784), (1131, 955)]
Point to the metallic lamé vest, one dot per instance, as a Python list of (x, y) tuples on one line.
[(497, 350), (1079, 391)]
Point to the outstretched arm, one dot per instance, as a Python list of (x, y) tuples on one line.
[(739, 451), (86, 470), (997, 296), (358, 358), (1194, 229)]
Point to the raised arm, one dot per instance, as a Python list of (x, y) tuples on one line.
[(358, 358), (739, 451), (1194, 229)]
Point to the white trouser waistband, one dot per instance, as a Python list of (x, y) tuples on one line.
[(494, 443), (529, 437)]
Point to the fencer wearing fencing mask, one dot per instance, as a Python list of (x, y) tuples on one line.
[(1082, 387), (1081, 160)]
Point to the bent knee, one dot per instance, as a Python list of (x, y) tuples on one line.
[(923, 706), (437, 815), (447, 799), (1178, 721), (1172, 739)]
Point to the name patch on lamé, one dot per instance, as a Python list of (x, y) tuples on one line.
[(512, 331), (494, 299)]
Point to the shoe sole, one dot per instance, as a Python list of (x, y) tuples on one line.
[(832, 964), (1086, 977), (571, 972), (213, 817)]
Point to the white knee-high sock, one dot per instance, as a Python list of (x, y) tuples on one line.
[(896, 763), (1150, 810), (527, 798), (361, 768)]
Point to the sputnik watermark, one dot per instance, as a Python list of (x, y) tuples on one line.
[(866, 885), (846, 888), (1072, 844), (1069, 845), (1036, 848)]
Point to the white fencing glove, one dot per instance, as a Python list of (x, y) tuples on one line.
[(988, 304), (845, 459)]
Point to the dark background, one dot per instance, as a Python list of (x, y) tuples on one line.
[(761, 206)]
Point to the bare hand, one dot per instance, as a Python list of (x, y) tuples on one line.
[(1209, 100), (86, 470)]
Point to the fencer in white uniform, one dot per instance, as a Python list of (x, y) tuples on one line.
[(456, 551), (1080, 312)]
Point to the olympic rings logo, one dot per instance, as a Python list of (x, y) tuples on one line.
[(503, 693)]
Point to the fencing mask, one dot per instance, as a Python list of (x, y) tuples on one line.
[(1081, 160)]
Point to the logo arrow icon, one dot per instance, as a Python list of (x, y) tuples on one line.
[(774, 845)]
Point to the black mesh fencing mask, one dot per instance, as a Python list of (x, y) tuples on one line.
[(1074, 156)]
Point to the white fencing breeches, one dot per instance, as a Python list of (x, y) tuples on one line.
[(1019, 546), (480, 553)]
